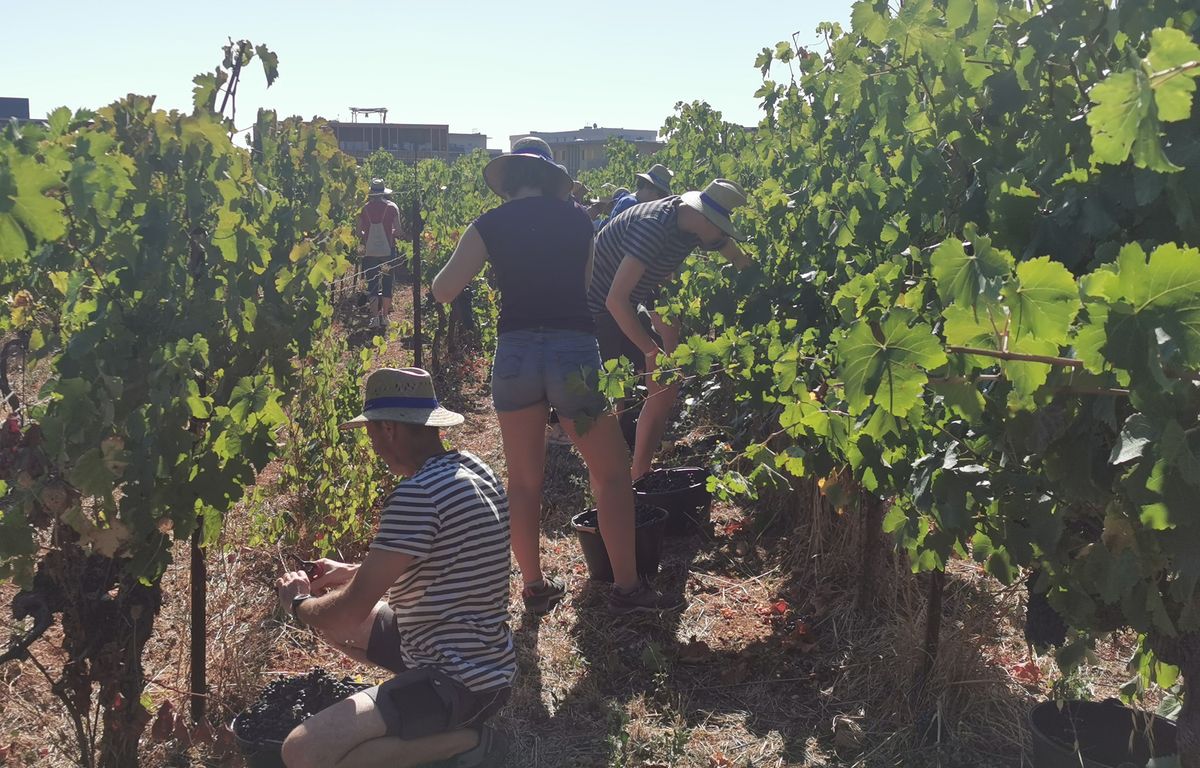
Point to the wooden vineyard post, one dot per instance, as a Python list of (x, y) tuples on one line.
[(199, 638), (417, 226), (933, 629), (873, 512)]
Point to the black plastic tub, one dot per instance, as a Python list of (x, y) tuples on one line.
[(262, 752), (258, 754), (648, 541), (1108, 735), (683, 492)]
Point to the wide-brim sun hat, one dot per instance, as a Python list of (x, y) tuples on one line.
[(378, 187), (716, 203), (658, 176), (405, 395), (527, 150)]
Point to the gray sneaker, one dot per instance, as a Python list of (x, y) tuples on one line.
[(644, 599), (540, 599), (489, 753)]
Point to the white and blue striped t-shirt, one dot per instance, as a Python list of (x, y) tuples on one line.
[(648, 232), (452, 605)]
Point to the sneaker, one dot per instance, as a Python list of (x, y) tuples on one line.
[(491, 750), (373, 322), (541, 598), (644, 599)]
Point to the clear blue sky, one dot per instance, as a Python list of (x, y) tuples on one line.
[(496, 68)]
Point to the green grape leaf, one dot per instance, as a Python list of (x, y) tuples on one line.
[(888, 370), (40, 215), (1122, 102), (964, 277), (1165, 291), (1043, 300), (1025, 376), (979, 327), (1148, 150), (958, 12), (270, 63), (59, 120), (869, 22), (1136, 434), (204, 95), (986, 12), (1170, 51)]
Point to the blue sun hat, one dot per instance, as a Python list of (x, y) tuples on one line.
[(530, 149)]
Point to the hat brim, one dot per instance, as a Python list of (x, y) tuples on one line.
[(650, 180), (437, 417), (721, 221), (385, 191), (493, 172)]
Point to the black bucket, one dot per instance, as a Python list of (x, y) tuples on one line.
[(1108, 734), (266, 753), (648, 541), (683, 492)]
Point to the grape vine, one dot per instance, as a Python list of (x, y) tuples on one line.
[(175, 278)]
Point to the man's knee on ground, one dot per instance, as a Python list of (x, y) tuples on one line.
[(302, 750)]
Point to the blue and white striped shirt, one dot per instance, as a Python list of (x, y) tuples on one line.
[(451, 605), (648, 232)]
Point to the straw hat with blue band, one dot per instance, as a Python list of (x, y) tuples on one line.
[(403, 394), (527, 150), (717, 202), (658, 176)]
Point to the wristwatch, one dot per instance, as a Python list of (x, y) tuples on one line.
[(296, 604)]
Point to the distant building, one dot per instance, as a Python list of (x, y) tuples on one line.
[(406, 141), (583, 150), (13, 107), (465, 143)]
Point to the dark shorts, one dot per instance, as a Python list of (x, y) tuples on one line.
[(614, 343), (379, 277), (422, 701)]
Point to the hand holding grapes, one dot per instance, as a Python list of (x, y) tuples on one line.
[(332, 575)]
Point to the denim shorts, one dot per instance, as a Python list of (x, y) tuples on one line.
[(555, 366)]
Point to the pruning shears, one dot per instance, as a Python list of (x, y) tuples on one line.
[(311, 567)]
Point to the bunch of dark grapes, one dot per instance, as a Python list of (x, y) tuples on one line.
[(662, 482), (286, 702), (1044, 628)]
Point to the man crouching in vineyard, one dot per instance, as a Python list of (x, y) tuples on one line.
[(440, 556), (635, 254)]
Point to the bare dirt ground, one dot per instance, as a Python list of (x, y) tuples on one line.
[(769, 664)]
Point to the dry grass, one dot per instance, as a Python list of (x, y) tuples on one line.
[(715, 685)]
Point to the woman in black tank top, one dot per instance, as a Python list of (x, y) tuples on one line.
[(540, 246)]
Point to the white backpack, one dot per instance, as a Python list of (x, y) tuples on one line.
[(378, 245)]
